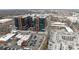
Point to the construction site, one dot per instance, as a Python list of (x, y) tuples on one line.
[(47, 30)]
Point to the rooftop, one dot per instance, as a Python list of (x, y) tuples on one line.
[(59, 24), (6, 37), (4, 20)]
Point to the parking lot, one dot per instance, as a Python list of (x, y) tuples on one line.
[(35, 41)]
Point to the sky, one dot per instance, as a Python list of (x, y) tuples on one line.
[(39, 4)]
